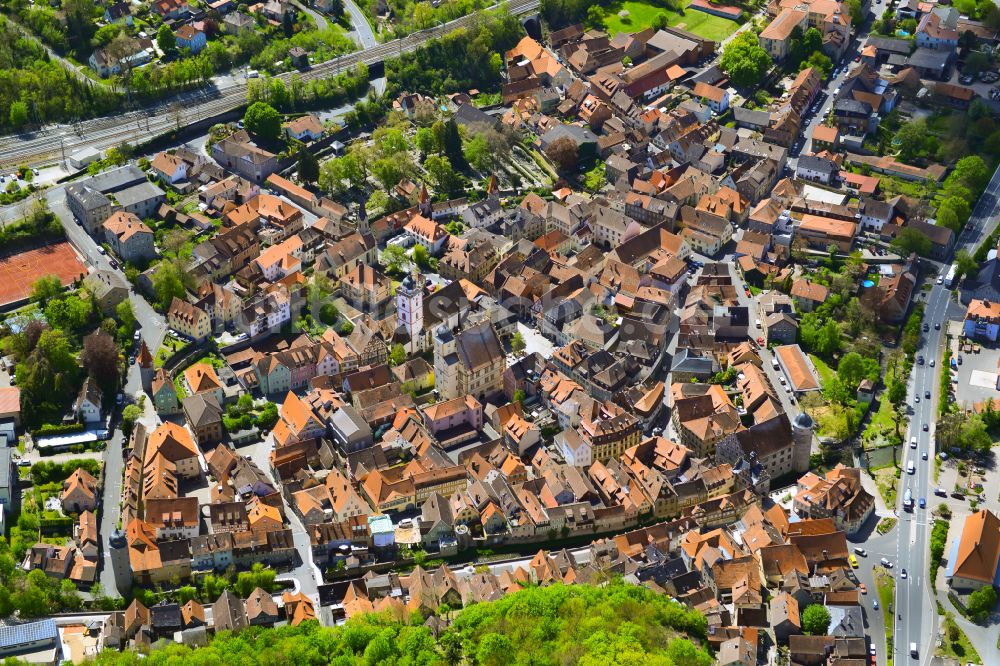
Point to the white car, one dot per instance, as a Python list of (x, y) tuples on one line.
[(932, 363)]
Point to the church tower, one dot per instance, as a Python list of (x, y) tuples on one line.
[(424, 206), (802, 437), (410, 309)]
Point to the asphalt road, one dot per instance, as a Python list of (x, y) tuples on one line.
[(835, 82), (916, 611)]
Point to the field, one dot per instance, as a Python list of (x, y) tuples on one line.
[(641, 15), (19, 271)]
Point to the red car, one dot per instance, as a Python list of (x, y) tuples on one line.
[(864, 590), (760, 341)]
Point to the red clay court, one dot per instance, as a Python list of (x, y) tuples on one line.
[(19, 271)]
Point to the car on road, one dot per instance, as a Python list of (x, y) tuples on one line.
[(916, 398), (932, 363), (927, 395), (925, 427), (940, 280), (902, 574), (920, 360), (886, 563), (913, 442), (101, 249), (941, 492), (875, 604), (923, 455), (922, 503), (863, 588), (926, 327), (861, 551), (853, 560), (937, 326), (960, 359)]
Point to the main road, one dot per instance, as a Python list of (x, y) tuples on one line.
[(55, 141), (915, 608)]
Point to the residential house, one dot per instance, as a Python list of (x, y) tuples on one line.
[(974, 557), (129, 237), (88, 402), (79, 492), (204, 416), (190, 37), (189, 320)]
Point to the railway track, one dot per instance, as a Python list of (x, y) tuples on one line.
[(137, 126)]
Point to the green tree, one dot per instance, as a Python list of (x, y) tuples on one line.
[(965, 264), (394, 259), (857, 15), (745, 60), (494, 650), (981, 603), (166, 39), (397, 356), (971, 172), (439, 170), (960, 206), (947, 217), (308, 166), (683, 652), (478, 155), (595, 16), (517, 343), (815, 620), (126, 321), (911, 139), (519, 396), (263, 120), (45, 288), (426, 141), (909, 240), (18, 114), (130, 414), (388, 171), (421, 257), (168, 283)]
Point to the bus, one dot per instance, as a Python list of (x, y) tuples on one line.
[(908, 500), (949, 279)]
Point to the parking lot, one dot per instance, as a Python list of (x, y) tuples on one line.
[(975, 378)]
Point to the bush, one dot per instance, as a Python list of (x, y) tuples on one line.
[(52, 472), (981, 603), (57, 429)]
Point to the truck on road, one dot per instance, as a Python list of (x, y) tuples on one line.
[(908, 500)]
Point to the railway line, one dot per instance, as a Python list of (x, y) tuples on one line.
[(136, 126)]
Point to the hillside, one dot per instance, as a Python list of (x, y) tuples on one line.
[(581, 624)]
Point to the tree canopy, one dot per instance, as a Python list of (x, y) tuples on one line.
[(745, 60), (616, 624), (263, 120), (815, 620)]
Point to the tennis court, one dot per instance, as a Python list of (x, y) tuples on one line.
[(19, 271)]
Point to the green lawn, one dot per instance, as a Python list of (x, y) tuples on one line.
[(641, 15), (824, 370), (886, 586), (961, 648)]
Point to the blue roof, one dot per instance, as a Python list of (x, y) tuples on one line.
[(12, 637), (381, 524), (952, 556)]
